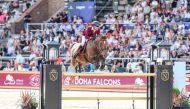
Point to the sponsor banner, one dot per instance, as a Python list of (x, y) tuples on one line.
[(104, 80), (132, 83), (20, 80), (187, 83), (86, 10), (31, 80)]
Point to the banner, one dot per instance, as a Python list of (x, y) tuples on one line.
[(25, 80), (86, 10), (19, 80), (187, 83), (132, 83)]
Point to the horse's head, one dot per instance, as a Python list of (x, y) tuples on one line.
[(102, 46)]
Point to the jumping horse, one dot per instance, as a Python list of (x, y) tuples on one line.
[(95, 53)]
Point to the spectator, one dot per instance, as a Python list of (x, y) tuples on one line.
[(27, 19), (1, 66), (8, 67)]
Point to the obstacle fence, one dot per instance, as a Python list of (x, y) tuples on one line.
[(124, 82), (106, 87), (104, 98)]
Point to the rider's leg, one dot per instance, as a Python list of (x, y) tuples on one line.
[(83, 41), (81, 46)]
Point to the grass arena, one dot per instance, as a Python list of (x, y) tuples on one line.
[(80, 91)]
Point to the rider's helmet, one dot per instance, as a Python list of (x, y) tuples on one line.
[(96, 24)]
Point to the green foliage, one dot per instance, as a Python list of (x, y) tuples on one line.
[(176, 91), (186, 103), (180, 98)]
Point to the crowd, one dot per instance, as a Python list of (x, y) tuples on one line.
[(128, 36), (11, 10)]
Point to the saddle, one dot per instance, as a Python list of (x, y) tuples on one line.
[(83, 49)]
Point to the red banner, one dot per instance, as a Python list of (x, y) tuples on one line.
[(187, 83), (19, 80), (31, 80), (132, 83)]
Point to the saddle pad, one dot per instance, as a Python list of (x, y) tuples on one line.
[(74, 48)]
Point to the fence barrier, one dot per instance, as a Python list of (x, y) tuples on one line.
[(113, 74), (104, 98)]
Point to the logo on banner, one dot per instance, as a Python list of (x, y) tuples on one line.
[(80, 7), (139, 81), (165, 75), (35, 80), (67, 81), (9, 80), (70, 7), (53, 75)]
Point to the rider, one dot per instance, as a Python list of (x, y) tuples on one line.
[(90, 32)]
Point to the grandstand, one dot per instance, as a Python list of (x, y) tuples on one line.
[(130, 26)]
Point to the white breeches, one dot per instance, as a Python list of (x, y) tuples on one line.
[(83, 40)]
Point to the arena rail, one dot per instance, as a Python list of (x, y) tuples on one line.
[(104, 86), (111, 74), (104, 98), (67, 57)]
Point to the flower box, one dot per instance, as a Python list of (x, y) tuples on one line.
[(28, 107), (181, 107)]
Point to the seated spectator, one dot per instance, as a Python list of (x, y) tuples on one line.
[(8, 67), (79, 20), (63, 68), (119, 68), (1, 66), (11, 50), (92, 67), (106, 69), (187, 17), (138, 46), (27, 19), (113, 69), (19, 58), (33, 66), (129, 67), (71, 69), (174, 54), (142, 65)]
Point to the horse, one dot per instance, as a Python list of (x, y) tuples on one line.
[(95, 53)]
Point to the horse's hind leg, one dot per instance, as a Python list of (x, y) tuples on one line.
[(76, 69), (102, 65), (79, 66)]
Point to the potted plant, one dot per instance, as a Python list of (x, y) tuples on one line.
[(180, 99), (28, 100)]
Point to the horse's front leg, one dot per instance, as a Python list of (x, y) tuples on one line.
[(79, 66), (76, 69), (102, 65)]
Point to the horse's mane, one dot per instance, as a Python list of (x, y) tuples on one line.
[(102, 38)]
